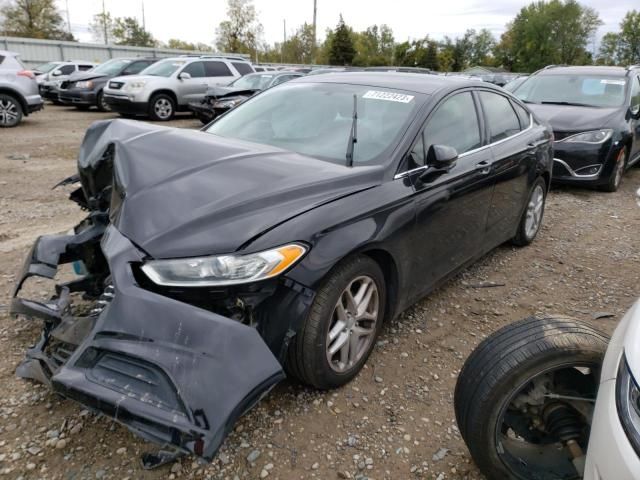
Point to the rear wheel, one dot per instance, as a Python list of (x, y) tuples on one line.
[(615, 178), (10, 111), (342, 326), (161, 107), (531, 220), (525, 396)]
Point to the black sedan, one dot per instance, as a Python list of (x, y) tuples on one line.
[(595, 116), (278, 239), (219, 100)]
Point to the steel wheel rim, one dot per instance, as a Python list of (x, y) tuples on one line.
[(163, 108), (8, 112), (534, 212), (619, 168), (515, 460), (353, 324)]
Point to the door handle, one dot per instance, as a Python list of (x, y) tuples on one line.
[(483, 167)]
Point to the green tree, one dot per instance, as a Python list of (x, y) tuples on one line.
[(482, 45), (609, 49), (178, 44), (299, 47), (342, 50), (629, 46), (101, 27), (127, 31), (553, 32), (374, 46), (33, 19), (241, 32)]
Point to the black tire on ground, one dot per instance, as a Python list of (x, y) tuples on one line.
[(615, 179), (101, 104), (524, 238), (204, 119), (503, 364), (10, 111), (307, 355), (83, 108), (160, 103)]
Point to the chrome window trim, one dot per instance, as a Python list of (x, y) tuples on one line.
[(468, 152)]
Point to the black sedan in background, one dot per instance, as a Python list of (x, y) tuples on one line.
[(83, 90), (595, 116), (218, 100), (279, 238)]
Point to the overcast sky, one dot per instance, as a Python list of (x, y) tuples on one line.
[(196, 20)]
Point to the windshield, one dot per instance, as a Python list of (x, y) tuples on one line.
[(585, 90), (46, 67), (164, 68), (315, 119), (111, 67), (252, 82)]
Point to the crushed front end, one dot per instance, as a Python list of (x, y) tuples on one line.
[(175, 371)]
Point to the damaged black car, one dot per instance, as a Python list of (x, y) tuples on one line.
[(277, 239), (219, 100)]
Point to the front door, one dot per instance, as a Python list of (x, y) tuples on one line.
[(192, 89), (451, 207), (634, 154)]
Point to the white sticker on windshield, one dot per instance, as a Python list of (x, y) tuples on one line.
[(612, 82), (388, 96)]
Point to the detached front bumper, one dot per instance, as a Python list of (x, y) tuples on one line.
[(84, 98), (173, 373), (202, 110)]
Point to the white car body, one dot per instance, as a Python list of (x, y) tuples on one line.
[(611, 455)]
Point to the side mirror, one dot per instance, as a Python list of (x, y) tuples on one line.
[(184, 76), (56, 73), (442, 157)]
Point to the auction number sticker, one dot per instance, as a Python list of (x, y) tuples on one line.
[(607, 81), (388, 96)]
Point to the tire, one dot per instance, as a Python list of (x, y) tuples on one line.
[(526, 231), (615, 178), (204, 119), (10, 111), (101, 104), (161, 107), (503, 365), (83, 108), (308, 357)]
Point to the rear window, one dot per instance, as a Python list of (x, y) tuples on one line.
[(217, 69), (242, 68)]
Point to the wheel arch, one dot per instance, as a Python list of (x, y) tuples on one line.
[(387, 263), (165, 91), (15, 94)]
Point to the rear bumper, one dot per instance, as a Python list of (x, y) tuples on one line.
[(34, 103), (171, 372), (122, 104)]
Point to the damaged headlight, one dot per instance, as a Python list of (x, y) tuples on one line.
[(223, 269), (230, 103), (628, 403), (596, 136)]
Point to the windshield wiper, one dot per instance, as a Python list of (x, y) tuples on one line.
[(573, 104), (353, 135)]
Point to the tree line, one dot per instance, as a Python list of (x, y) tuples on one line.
[(542, 33)]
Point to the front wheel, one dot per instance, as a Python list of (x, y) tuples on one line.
[(161, 107), (615, 178), (101, 104), (342, 326), (525, 396)]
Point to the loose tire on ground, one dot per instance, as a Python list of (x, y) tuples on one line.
[(307, 355), (503, 364)]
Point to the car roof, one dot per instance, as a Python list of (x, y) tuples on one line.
[(427, 84), (7, 53), (584, 70)]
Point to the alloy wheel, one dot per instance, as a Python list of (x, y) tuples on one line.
[(353, 324), (534, 212), (163, 108), (8, 112)]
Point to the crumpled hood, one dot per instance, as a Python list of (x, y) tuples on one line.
[(218, 92), (82, 76), (567, 118), (188, 193)]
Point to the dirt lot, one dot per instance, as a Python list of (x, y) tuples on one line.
[(387, 424)]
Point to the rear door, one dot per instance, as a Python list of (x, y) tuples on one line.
[(514, 148), (451, 207), (218, 73), (634, 156)]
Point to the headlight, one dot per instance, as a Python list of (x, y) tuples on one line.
[(224, 269), (134, 86), (595, 136), (88, 84), (628, 403), (228, 103)]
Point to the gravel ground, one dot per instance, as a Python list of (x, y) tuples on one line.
[(394, 421)]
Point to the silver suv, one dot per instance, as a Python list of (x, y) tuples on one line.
[(18, 90), (171, 84), (50, 75)]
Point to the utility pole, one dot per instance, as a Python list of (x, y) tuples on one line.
[(104, 24), (284, 37), (68, 20), (315, 11), (144, 25)]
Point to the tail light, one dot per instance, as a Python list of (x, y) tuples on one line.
[(26, 73)]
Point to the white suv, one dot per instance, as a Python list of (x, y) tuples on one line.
[(170, 84)]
